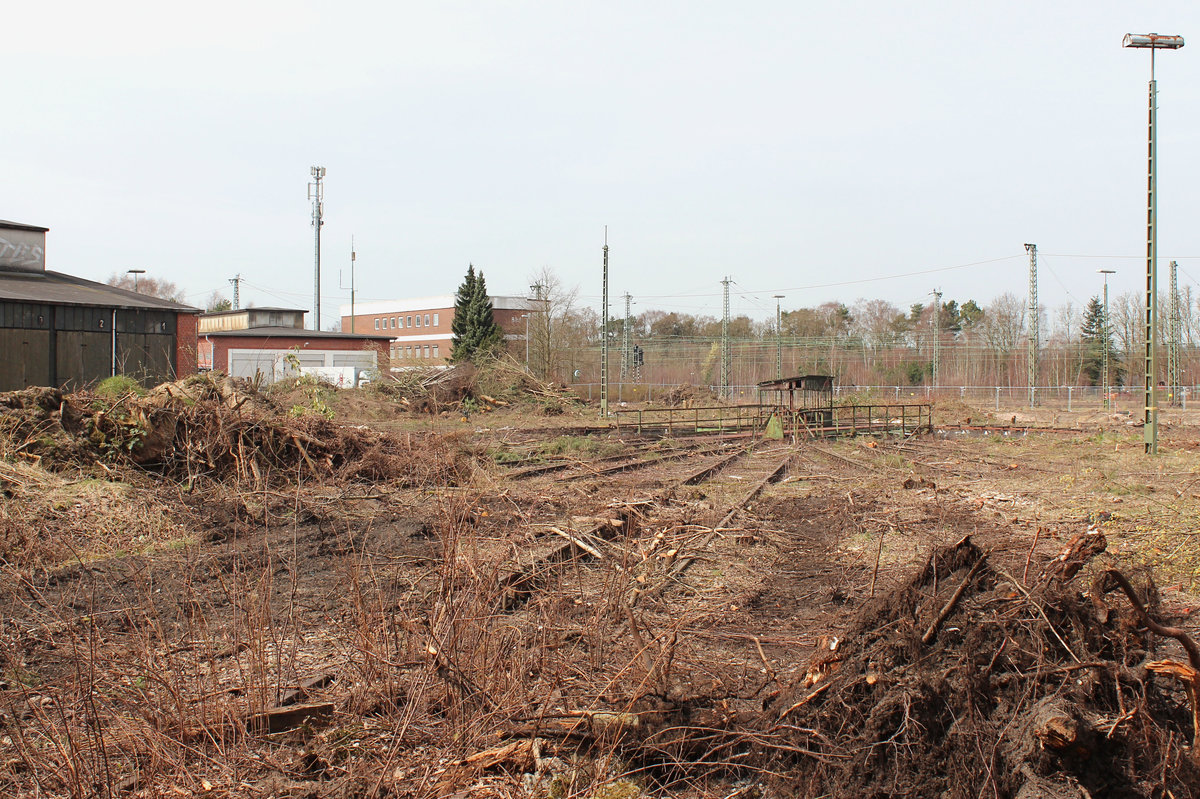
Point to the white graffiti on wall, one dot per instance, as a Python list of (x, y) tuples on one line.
[(18, 253)]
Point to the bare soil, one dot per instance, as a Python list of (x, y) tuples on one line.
[(426, 614)]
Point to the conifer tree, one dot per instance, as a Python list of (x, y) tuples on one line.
[(1094, 333), (474, 327)]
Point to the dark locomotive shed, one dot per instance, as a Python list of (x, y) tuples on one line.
[(61, 330)]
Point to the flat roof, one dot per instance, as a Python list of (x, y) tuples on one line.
[(56, 288), (289, 332), (254, 308)]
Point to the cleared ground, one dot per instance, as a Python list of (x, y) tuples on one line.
[(503, 604)]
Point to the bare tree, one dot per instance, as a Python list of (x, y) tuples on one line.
[(548, 315), (151, 286)]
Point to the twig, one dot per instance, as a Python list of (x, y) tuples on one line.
[(1040, 612), (949, 606), (1029, 557)]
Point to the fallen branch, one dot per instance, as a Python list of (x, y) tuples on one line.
[(949, 606)]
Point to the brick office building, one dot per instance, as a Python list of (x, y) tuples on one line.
[(419, 328)]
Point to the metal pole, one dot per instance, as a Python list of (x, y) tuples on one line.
[(937, 329), (626, 351), (1034, 320), (726, 351), (778, 338), (1151, 400), (316, 193), (604, 336), (1173, 335), (1107, 391)]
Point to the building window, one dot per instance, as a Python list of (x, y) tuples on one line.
[(400, 319), (435, 352), (435, 320), (409, 321), (393, 323), (418, 320), (376, 324), (426, 320), (408, 352), (426, 350)]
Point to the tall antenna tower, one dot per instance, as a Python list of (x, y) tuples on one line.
[(1033, 324), (937, 334), (604, 336), (316, 193), (726, 349), (236, 280), (1173, 336), (626, 349)]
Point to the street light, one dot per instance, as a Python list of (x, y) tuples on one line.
[(778, 338), (1105, 332), (135, 273), (1152, 42)]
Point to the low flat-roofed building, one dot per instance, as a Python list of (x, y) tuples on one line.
[(419, 327), (65, 331), (269, 344)]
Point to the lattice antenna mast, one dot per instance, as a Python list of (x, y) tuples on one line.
[(236, 280), (937, 335), (604, 335), (626, 349), (1174, 367), (726, 349), (1034, 320), (316, 193)]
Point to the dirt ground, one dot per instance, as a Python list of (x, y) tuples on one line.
[(504, 603)]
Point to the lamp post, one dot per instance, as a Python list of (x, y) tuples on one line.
[(135, 273), (1152, 42), (778, 338), (1105, 332)]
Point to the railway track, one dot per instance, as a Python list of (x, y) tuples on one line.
[(589, 538)]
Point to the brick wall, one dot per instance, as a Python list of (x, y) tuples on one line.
[(185, 343)]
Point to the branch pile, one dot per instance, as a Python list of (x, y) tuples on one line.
[(208, 425)]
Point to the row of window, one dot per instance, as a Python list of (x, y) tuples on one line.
[(400, 322), (407, 352)]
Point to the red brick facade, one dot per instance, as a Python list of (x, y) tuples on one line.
[(185, 344)]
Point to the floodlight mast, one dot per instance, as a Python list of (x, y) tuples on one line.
[(1152, 42)]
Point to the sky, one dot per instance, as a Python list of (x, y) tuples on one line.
[(823, 151)]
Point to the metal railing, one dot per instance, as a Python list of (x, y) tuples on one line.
[(840, 420)]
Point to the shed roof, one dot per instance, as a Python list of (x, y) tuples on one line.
[(806, 382), (56, 288), (22, 226)]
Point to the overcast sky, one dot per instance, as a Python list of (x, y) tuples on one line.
[(790, 145)]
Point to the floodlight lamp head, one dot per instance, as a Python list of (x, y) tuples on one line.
[(1152, 41), (1030, 247), (1106, 271), (318, 171)]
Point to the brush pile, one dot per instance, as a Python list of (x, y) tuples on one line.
[(965, 682), (465, 387), (207, 425)]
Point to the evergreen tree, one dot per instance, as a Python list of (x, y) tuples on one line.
[(1094, 333), (474, 327)]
